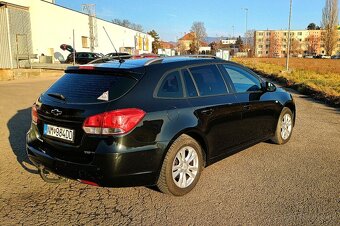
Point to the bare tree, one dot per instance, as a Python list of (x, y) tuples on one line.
[(200, 34), (295, 47), (249, 37), (128, 24), (329, 23), (313, 44)]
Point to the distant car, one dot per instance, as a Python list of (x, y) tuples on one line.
[(110, 57), (163, 55), (121, 55), (320, 56), (83, 57), (308, 56)]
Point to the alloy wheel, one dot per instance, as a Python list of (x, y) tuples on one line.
[(185, 167)]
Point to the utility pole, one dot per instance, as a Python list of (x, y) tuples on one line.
[(233, 30), (288, 46), (245, 34)]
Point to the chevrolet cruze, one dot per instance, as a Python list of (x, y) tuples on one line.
[(153, 121)]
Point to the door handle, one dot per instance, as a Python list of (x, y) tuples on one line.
[(246, 107), (207, 111)]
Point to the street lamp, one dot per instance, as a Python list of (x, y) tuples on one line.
[(288, 48), (246, 10)]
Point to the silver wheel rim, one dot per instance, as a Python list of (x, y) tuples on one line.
[(185, 167), (286, 126)]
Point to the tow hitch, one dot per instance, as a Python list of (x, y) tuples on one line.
[(50, 177)]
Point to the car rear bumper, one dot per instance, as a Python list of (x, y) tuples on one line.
[(135, 168)]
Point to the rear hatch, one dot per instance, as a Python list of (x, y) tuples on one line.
[(80, 93)]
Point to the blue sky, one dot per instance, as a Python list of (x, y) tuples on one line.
[(172, 18)]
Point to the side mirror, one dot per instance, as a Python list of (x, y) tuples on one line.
[(269, 87)]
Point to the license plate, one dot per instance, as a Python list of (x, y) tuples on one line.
[(59, 132)]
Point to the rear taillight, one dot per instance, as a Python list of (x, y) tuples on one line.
[(34, 114), (116, 122)]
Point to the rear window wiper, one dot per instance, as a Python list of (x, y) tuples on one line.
[(57, 95)]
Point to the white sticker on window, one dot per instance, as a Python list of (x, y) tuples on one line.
[(104, 96)]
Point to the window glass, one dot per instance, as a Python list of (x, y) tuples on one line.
[(90, 88), (208, 80), (242, 80), (189, 84), (171, 86)]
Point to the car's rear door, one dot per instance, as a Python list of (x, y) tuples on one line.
[(218, 113)]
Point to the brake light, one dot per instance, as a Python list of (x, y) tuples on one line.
[(86, 67), (116, 122), (34, 114)]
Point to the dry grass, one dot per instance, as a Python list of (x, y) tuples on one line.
[(321, 75)]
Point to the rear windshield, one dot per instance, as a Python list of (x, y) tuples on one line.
[(90, 88)]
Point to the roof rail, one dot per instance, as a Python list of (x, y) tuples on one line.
[(153, 61), (160, 59)]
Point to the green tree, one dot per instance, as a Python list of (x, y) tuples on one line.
[(313, 26), (155, 44), (239, 43), (193, 48), (214, 47)]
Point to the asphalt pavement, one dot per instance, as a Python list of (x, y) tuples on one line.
[(294, 184)]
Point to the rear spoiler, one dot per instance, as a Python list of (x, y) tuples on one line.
[(137, 73)]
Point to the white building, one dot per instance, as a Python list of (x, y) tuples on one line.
[(228, 41), (35, 27)]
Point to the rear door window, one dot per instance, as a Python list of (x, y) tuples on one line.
[(91, 88), (171, 86), (209, 80)]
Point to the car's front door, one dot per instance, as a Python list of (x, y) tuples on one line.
[(259, 114)]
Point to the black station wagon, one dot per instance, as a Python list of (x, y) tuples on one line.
[(153, 121)]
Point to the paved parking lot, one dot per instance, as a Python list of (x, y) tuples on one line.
[(297, 183)]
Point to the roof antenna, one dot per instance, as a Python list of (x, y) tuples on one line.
[(120, 59)]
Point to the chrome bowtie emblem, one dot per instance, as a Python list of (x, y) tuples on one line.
[(56, 112)]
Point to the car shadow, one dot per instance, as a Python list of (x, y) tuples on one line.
[(18, 126)]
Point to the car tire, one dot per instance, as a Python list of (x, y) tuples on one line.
[(179, 176), (284, 127)]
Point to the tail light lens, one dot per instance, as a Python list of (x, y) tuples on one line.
[(34, 114), (116, 122)]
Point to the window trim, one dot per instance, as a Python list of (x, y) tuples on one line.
[(229, 88), (193, 81)]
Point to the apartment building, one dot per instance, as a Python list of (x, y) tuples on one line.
[(274, 43)]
